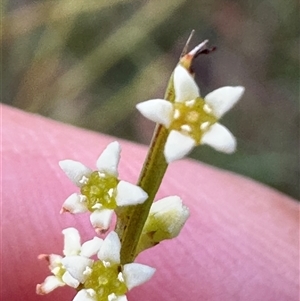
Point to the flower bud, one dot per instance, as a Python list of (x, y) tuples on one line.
[(165, 221)]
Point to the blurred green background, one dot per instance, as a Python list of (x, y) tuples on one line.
[(89, 62)]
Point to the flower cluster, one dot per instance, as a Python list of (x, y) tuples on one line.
[(94, 268), (192, 120), (72, 247), (101, 191), (104, 279)]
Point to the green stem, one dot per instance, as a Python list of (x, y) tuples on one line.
[(131, 219)]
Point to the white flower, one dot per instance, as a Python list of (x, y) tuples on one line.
[(169, 216), (165, 221), (192, 120), (106, 278), (101, 191), (72, 248)]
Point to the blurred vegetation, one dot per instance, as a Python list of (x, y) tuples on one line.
[(89, 62)]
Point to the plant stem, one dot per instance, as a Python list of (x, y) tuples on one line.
[(131, 219)]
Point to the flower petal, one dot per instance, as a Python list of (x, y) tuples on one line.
[(72, 244), (75, 171), (69, 280), (86, 295), (91, 247), (157, 110), (178, 146), (114, 297), (223, 99), (129, 194), (101, 219), (54, 260), (136, 274), (75, 203), (110, 249), (184, 85), (198, 48), (78, 266), (49, 284), (109, 159), (220, 138)]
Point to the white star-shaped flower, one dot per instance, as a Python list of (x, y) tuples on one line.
[(72, 247), (192, 120), (106, 278), (101, 191)]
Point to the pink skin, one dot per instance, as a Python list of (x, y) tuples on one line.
[(240, 243)]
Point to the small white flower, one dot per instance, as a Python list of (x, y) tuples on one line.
[(192, 120), (58, 264), (169, 215), (101, 278), (165, 221), (101, 191), (107, 278)]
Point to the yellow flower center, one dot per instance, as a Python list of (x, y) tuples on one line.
[(106, 280), (192, 118), (100, 190)]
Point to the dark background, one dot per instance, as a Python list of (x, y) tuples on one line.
[(89, 62)]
